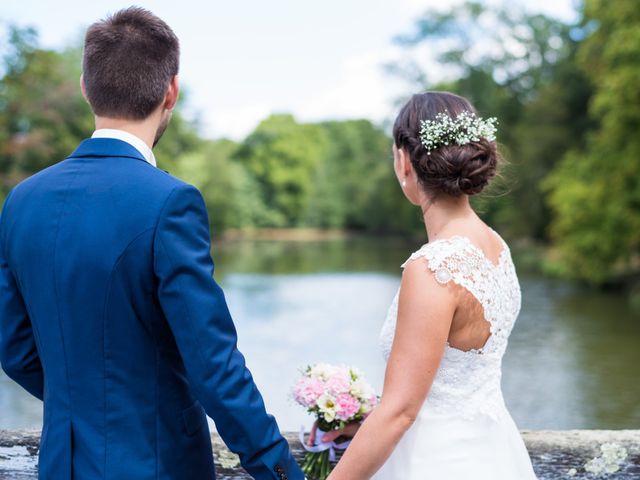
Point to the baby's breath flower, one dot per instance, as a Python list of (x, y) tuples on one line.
[(465, 128), (613, 455)]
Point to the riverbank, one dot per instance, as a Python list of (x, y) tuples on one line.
[(531, 256), (286, 234), (554, 454)]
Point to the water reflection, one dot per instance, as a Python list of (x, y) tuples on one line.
[(572, 360)]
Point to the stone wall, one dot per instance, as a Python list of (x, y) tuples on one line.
[(554, 454)]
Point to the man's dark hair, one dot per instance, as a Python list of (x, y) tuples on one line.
[(128, 62)]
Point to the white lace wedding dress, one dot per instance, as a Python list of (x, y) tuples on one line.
[(464, 430)]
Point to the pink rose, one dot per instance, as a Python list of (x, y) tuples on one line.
[(307, 391), (346, 406), (338, 384)]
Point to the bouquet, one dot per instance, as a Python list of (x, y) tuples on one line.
[(336, 396)]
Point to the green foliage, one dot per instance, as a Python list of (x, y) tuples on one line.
[(357, 188), (552, 123), (595, 191), (283, 156), (228, 190), (326, 175), (42, 112)]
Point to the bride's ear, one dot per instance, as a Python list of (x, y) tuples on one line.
[(406, 175), (402, 164)]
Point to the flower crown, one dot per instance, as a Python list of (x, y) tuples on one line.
[(465, 128)]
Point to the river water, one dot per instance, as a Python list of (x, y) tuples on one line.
[(572, 361)]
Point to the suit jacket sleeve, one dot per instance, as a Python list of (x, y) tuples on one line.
[(18, 352), (196, 310)]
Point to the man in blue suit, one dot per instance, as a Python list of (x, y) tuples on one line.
[(108, 309)]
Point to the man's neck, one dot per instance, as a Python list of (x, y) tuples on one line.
[(145, 130)]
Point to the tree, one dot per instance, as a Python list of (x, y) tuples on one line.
[(283, 155), (335, 174), (42, 111), (230, 193), (363, 188), (594, 192)]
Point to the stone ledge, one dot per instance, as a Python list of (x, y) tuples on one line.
[(553, 453)]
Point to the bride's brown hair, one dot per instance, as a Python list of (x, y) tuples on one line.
[(449, 169)]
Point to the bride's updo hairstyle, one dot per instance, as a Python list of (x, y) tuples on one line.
[(451, 169)]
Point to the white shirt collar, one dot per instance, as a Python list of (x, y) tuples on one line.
[(129, 138)]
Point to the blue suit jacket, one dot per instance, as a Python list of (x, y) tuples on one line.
[(109, 313)]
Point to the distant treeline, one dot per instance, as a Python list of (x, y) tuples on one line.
[(566, 96)]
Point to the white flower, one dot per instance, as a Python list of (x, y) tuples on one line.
[(329, 415), (613, 455), (323, 371), (327, 406), (361, 389)]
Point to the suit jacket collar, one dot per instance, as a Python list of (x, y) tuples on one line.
[(107, 147)]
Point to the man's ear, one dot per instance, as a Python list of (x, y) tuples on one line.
[(83, 89), (171, 98)]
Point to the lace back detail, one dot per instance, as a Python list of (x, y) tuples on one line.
[(468, 382), (495, 286)]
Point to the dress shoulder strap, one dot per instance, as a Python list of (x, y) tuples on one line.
[(453, 258)]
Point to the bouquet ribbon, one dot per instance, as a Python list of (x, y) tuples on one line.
[(322, 446)]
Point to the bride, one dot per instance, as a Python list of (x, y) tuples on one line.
[(442, 414)]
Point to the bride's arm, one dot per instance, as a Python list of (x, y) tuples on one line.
[(425, 311)]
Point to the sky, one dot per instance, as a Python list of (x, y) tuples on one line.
[(243, 60)]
